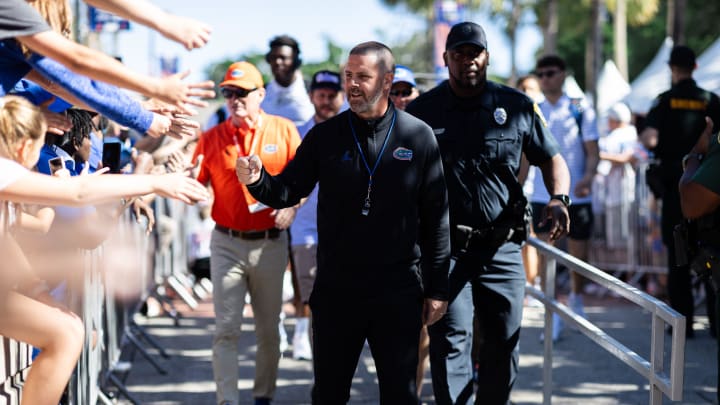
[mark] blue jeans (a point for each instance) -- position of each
(489, 285)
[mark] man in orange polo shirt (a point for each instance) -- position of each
(249, 245)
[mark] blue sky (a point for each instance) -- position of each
(246, 26)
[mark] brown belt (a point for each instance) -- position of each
(271, 233)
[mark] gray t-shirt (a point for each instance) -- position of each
(17, 18)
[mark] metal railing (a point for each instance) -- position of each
(669, 382)
(108, 322)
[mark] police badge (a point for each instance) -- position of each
(500, 115)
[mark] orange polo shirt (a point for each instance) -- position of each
(273, 138)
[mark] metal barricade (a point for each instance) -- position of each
(669, 382)
(108, 321)
(15, 357)
(638, 248)
(15, 360)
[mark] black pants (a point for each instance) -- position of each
(391, 324)
(489, 284)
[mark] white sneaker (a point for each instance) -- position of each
(301, 340)
(301, 347)
(283, 335)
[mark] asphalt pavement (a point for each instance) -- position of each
(583, 372)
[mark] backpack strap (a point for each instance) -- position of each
(577, 109)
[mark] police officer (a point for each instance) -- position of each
(482, 129)
(382, 205)
(673, 125)
(700, 201)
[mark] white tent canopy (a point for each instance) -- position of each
(611, 88)
(572, 88)
(707, 74)
(654, 80)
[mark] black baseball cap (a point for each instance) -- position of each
(325, 79)
(682, 56)
(466, 33)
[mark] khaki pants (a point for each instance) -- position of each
(238, 267)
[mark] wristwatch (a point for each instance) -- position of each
(698, 156)
(563, 198)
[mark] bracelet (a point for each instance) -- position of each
(686, 158)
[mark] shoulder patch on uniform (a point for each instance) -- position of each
(403, 154)
(539, 114)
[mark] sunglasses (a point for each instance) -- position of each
(401, 93)
(546, 73)
(468, 53)
(239, 93)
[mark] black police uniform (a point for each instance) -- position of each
(481, 141)
(708, 230)
(368, 283)
(679, 117)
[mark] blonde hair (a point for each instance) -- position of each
(57, 14)
(19, 120)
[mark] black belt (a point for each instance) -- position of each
(271, 233)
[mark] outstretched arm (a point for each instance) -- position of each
(36, 188)
(99, 66)
(185, 31)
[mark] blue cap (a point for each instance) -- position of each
(404, 74)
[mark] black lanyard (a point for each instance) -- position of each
(366, 205)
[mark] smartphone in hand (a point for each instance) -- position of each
(56, 163)
(111, 156)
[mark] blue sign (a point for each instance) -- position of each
(100, 21)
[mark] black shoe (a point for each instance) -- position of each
(262, 401)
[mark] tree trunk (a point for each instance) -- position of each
(512, 27)
(594, 53)
(550, 30)
(620, 31)
(676, 21)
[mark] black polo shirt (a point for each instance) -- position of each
(361, 255)
(679, 117)
(481, 141)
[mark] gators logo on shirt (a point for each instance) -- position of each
(270, 148)
(403, 154)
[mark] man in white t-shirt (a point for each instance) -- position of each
(572, 122)
(286, 94)
(327, 97)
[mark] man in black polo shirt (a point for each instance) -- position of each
(482, 129)
(382, 210)
(673, 126)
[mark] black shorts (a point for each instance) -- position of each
(581, 220)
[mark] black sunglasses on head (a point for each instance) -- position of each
(401, 93)
(238, 93)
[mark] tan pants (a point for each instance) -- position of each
(238, 267)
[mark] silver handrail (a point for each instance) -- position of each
(652, 369)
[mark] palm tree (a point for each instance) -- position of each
(633, 13)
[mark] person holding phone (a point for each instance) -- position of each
(27, 313)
